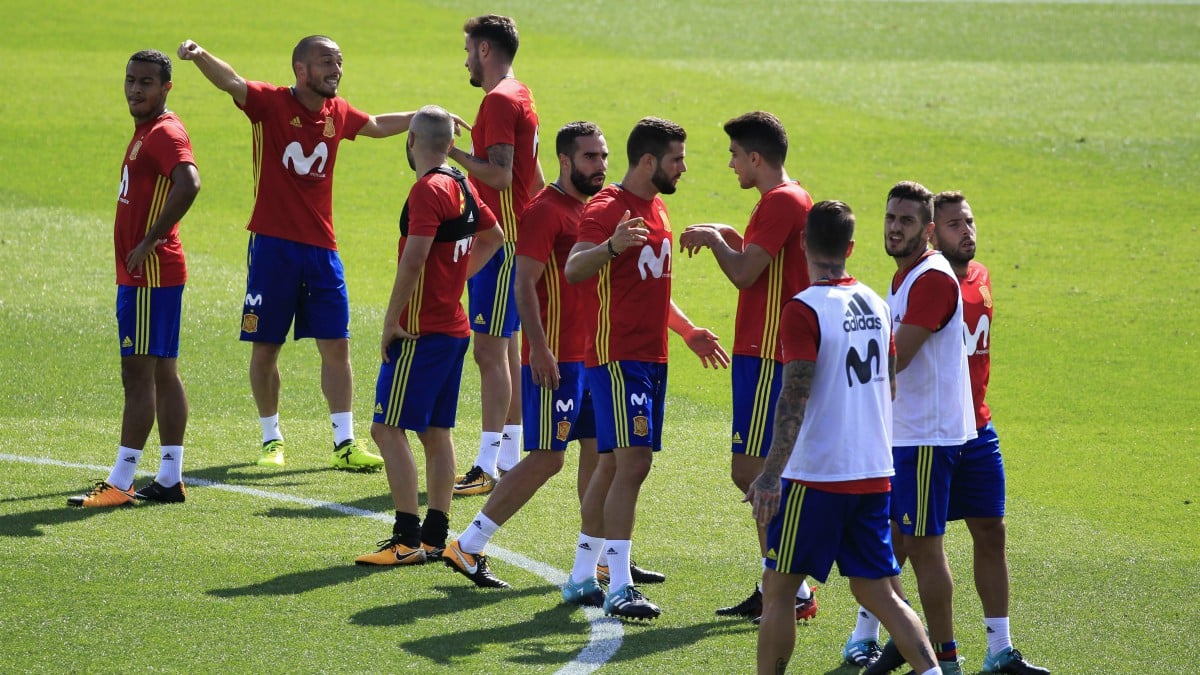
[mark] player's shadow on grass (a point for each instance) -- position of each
(378, 503)
(249, 474)
(300, 582)
(30, 523)
(540, 640)
(464, 598)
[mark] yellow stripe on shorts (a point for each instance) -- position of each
(400, 377)
(761, 409)
(791, 528)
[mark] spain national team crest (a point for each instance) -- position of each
(662, 213)
(137, 147)
(986, 294)
(641, 426)
(564, 431)
(249, 323)
(329, 129)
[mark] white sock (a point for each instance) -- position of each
(867, 626)
(270, 428)
(170, 467)
(618, 563)
(126, 465)
(343, 427)
(805, 591)
(587, 556)
(933, 671)
(477, 535)
(489, 452)
(998, 637)
(510, 447)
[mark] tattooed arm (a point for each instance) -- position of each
(789, 415)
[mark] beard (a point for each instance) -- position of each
(906, 249)
(958, 256)
(584, 183)
(321, 87)
(662, 182)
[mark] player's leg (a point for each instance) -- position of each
(903, 624)
(172, 416)
(777, 628)
(511, 442)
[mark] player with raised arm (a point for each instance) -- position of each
(159, 182)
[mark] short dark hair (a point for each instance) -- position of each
(947, 197)
(564, 143)
(302, 48)
(829, 229)
(760, 132)
(154, 56)
(652, 135)
(498, 31)
(913, 191)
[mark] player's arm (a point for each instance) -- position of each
(933, 299)
(539, 178)
(221, 74)
(909, 338)
(408, 270)
(495, 170)
(700, 340)
(542, 364)
(764, 492)
(702, 232)
(586, 258)
(487, 242)
(742, 267)
(185, 185)
(390, 124)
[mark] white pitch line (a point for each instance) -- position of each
(606, 634)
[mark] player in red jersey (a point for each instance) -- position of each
(446, 234)
(159, 181)
(503, 166)
(624, 257)
(768, 267)
(982, 500)
(294, 268)
(551, 356)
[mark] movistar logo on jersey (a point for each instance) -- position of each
(123, 191)
(860, 316)
(864, 369)
(462, 247)
(979, 341)
(657, 265)
(306, 164)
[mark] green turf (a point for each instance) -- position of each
(1072, 128)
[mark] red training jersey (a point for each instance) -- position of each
(549, 229)
(776, 225)
(508, 116)
(939, 297)
(294, 153)
(441, 205)
(157, 147)
(977, 326)
(627, 303)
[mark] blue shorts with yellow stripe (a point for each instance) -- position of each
(289, 282)
(490, 297)
(936, 484)
(814, 529)
(418, 389)
(756, 383)
(629, 399)
(549, 415)
(148, 320)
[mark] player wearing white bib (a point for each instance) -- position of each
(823, 492)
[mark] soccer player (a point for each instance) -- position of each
(294, 268)
(503, 166)
(767, 265)
(832, 449)
(446, 234)
(624, 254)
(932, 412)
(159, 181)
(551, 355)
(977, 493)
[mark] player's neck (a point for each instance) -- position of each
(139, 121)
(827, 269)
(771, 179)
(960, 269)
(640, 187)
(568, 188)
(492, 80)
(309, 98)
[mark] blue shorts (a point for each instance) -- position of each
(490, 297)
(419, 388)
(936, 484)
(585, 424)
(756, 383)
(148, 320)
(549, 415)
(286, 280)
(629, 399)
(814, 529)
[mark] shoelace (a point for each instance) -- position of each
(387, 543)
(473, 475)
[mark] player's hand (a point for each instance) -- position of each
(391, 333)
(629, 232)
(706, 345)
(189, 50)
(459, 124)
(763, 496)
(136, 257)
(696, 237)
(544, 368)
